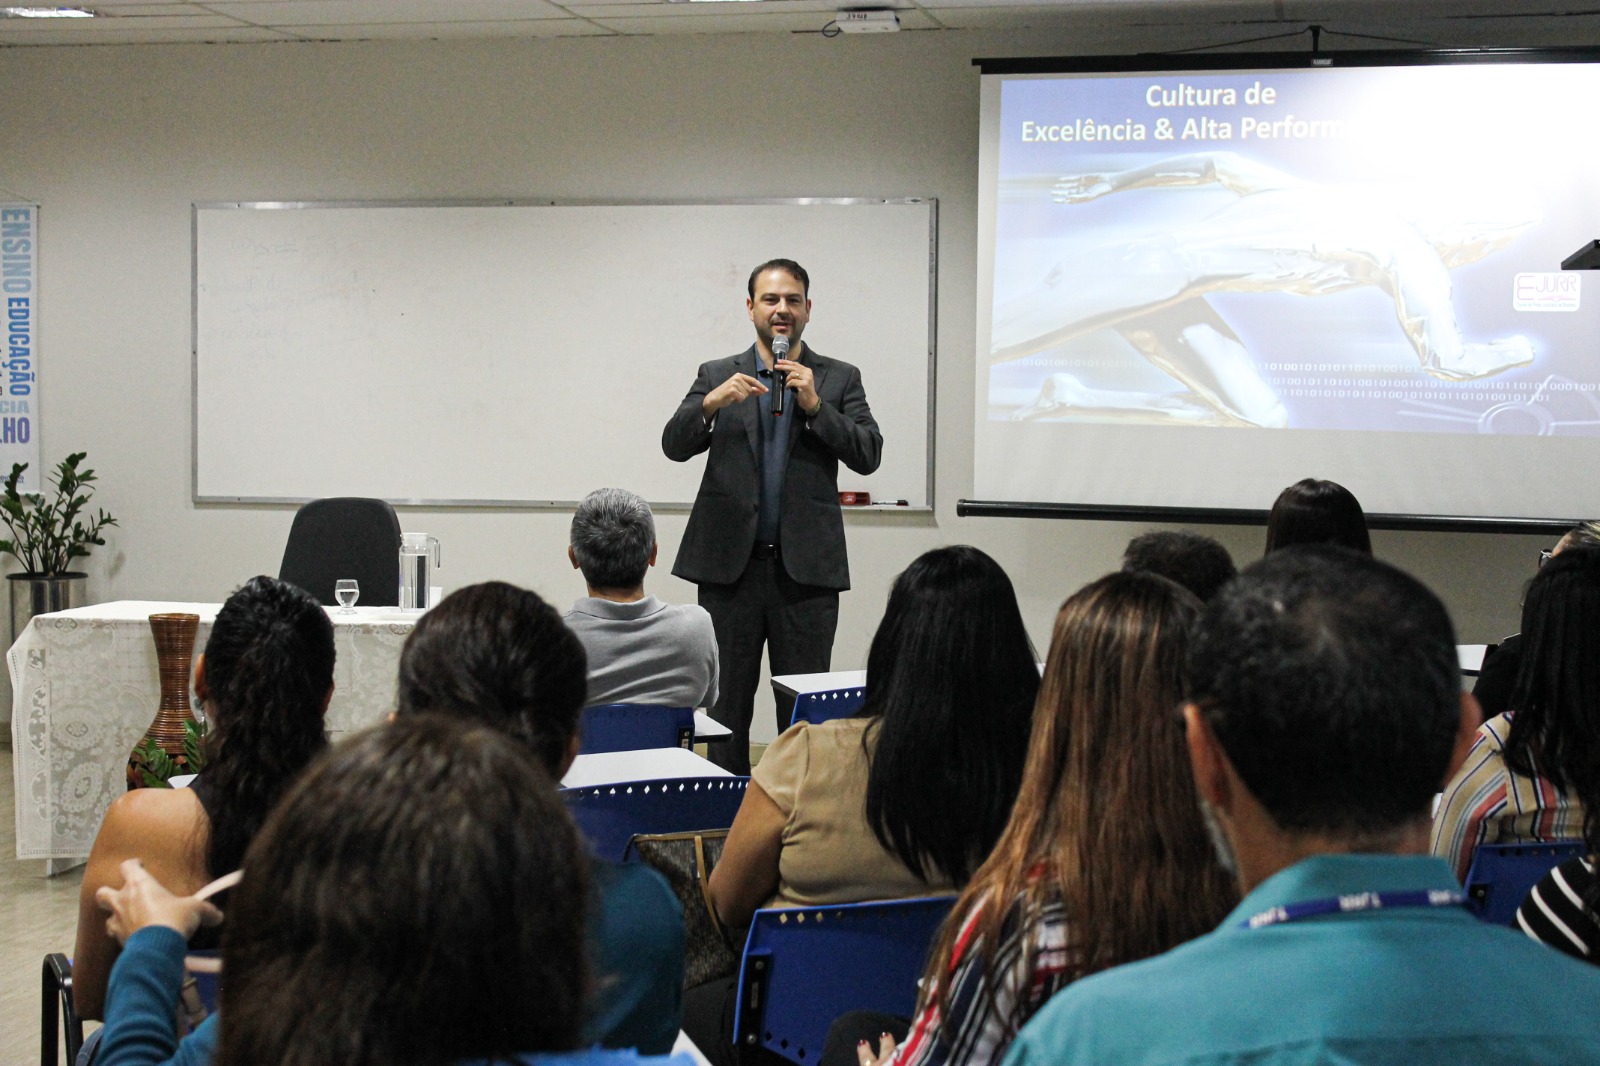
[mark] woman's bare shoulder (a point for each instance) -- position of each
(162, 827)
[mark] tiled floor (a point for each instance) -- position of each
(38, 915)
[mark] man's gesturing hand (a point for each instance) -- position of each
(803, 384)
(736, 389)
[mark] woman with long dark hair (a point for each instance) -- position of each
(1105, 858)
(265, 679)
(1498, 673)
(907, 797)
(1564, 908)
(1533, 774)
(419, 897)
(1317, 512)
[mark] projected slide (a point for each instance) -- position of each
(1373, 249)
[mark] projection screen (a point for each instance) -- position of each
(1197, 286)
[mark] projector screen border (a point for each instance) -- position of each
(1218, 516)
(1149, 62)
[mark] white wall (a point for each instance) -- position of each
(116, 142)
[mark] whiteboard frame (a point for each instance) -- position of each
(551, 505)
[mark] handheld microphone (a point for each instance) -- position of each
(780, 350)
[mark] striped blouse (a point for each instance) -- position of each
(1487, 803)
(980, 1027)
(1554, 912)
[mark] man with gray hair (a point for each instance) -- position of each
(640, 649)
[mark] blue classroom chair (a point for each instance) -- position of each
(816, 707)
(805, 966)
(1502, 875)
(635, 726)
(611, 815)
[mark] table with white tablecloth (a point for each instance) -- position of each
(85, 689)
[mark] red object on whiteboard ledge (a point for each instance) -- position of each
(854, 499)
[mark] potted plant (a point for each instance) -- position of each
(156, 769)
(48, 531)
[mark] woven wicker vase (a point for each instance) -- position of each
(174, 637)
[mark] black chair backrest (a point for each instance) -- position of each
(345, 536)
(57, 1007)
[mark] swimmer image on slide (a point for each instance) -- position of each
(1153, 293)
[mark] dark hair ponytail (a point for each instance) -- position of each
(268, 669)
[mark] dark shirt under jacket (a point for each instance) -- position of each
(721, 531)
(777, 437)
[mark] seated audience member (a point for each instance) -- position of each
(1529, 768)
(265, 679)
(419, 898)
(908, 797)
(1198, 563)
(1563, 910)
(1324, 710)
(1499, 671)
(640, 649)
(1105, 859)
(498, 655)
(1317, 512)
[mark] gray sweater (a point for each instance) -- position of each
(647, 651)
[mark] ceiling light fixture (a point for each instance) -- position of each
(867, 20)
(46, 13)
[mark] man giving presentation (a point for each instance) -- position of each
(765, 541)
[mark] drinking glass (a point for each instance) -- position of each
(346, 590)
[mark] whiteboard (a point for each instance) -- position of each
(516, 354)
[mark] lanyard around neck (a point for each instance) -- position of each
(1352, 903)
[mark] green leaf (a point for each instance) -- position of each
(155, 766)
(13, 478)
(194, 751)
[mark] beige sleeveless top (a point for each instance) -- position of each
(817, 775)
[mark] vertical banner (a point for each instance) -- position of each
(19, 377)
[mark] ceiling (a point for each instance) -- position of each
(1437, 23)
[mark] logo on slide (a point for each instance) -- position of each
(1545, 292)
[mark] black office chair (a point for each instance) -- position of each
(345, 536)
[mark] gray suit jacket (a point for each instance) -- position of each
(722, 528)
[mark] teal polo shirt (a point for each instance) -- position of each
(1399, 987)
